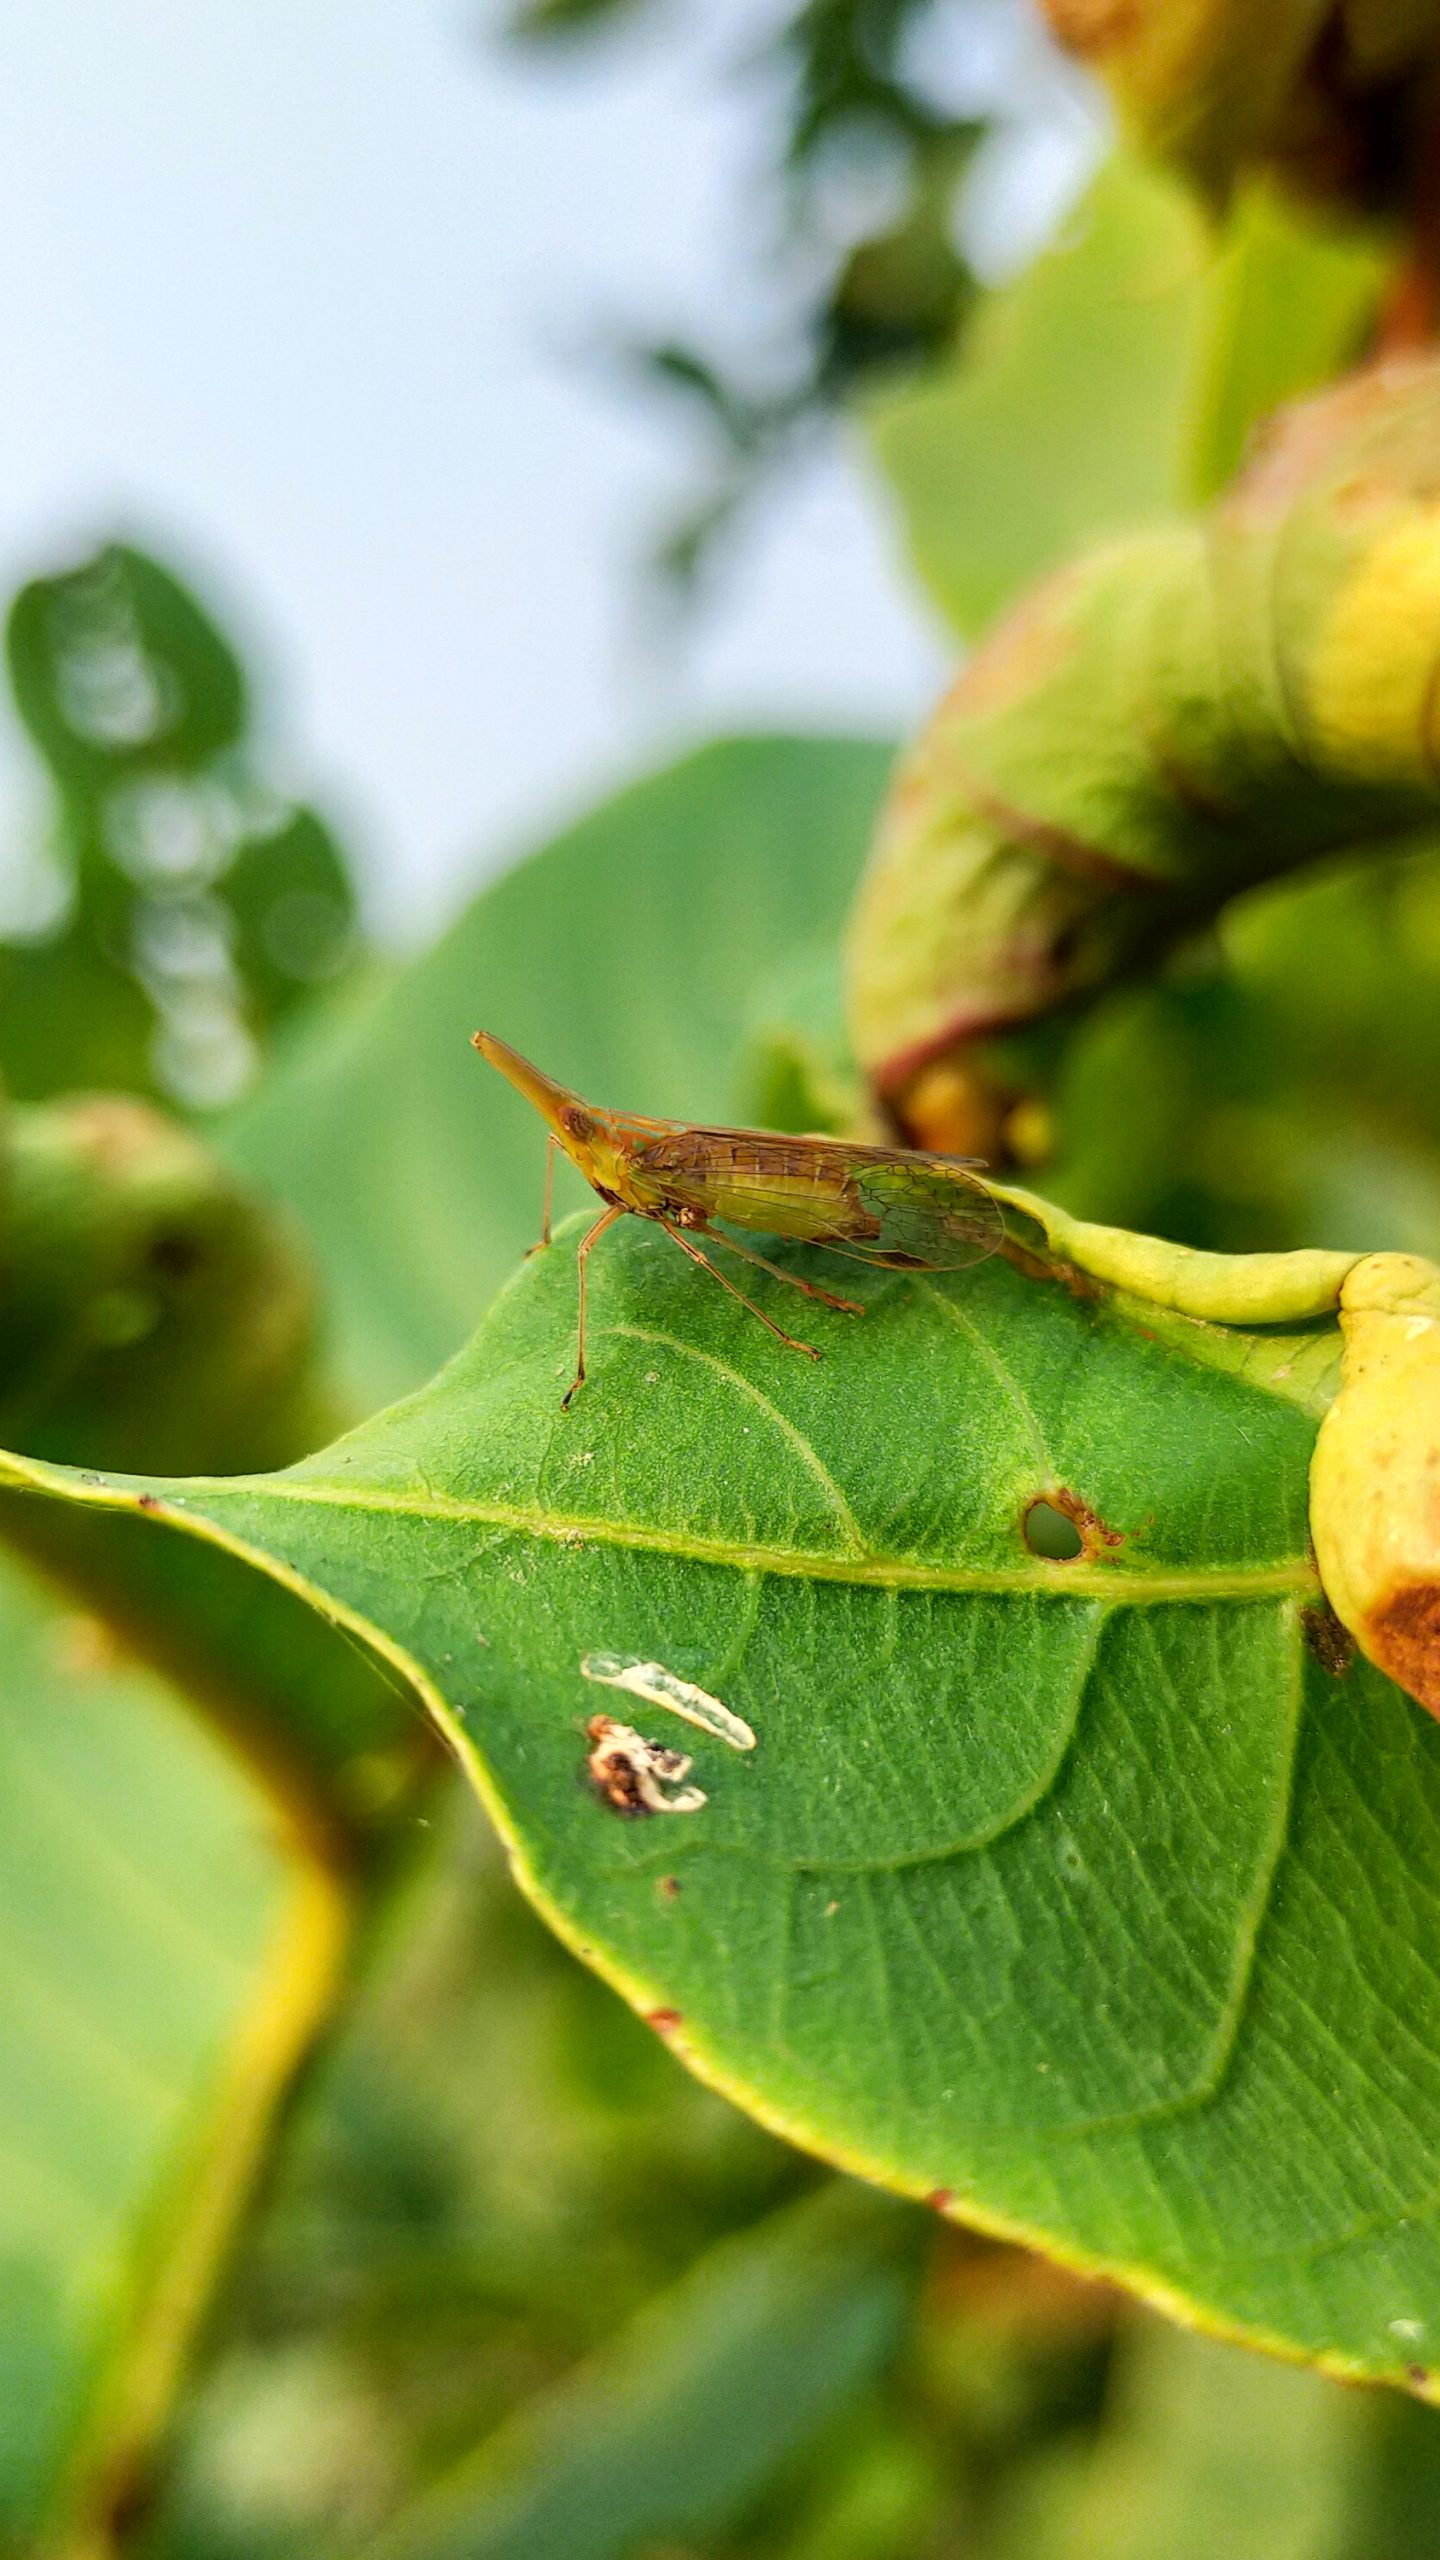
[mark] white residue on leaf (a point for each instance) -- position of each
(661, 1688)
(633, 1774)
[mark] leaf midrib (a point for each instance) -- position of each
(1113, 1581)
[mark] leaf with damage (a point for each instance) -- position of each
(1082, 1888)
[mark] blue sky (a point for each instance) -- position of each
(308, 297)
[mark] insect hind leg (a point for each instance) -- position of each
(792, 1279)
(693, 1250)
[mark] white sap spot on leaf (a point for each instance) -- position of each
(1409, 2330)
(661, 1688)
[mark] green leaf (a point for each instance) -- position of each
(1284, 1091)
(197, 909)
(492, 2166)
(290, 906)
(676, 2425)
(153, 1310)
(115, 668)
(1288, 302)
(172, 1926)
(653, 949)
(1206, 2451)
(165, 1957)
(1114, 382)
(1085, 1895)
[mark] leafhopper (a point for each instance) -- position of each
(881, 1205)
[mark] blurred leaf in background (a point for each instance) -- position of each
(1115, 381)
(1275, 1084)
(884, 105)
(182, 909)
(164, 1959)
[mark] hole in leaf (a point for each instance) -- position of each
(1050, 1532)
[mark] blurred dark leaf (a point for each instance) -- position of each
(176, 1903)
(869, 292)
(1206, 2450)
(196, 910)
(165, 1958)
(542, 19)
(1280, 1087)
(292, 912)
(676, 2425)
(493, 2168)
(116, 669)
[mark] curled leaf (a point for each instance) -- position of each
(1168, 721)
(1375, 1476)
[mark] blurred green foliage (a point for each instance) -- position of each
(1011, 455)
(181, 908)
(867, 123)
(508, 2255)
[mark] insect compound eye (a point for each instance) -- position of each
(576, 1123)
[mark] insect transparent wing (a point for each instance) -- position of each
(925, 1210)
(932, 1212)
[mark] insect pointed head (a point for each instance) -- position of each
(550, 1099)
(578, 1129)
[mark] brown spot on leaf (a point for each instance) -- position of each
(1332, 1645)
(148, 1501)
(1404, 1638)
(664, 2021)
(940, 2199)
(668, 1888)
(1046, 1511)
(1418, 2375)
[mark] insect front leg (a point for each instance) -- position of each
(792, 1279)
(581, 1258)
(706, 1264)
(551, 1143)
